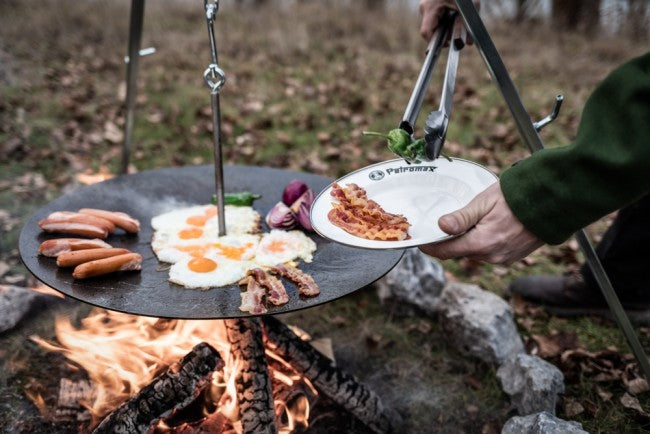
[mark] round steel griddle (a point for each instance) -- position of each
(338, 270)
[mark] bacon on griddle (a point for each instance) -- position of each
(306, 284)
(363, 217)
(252, 299)
(277, 294)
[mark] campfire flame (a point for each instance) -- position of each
(123, 353)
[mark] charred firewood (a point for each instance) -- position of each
(341, 387)
(176, 388)
(253, 383)
(212, 423)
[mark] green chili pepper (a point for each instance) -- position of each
(401, 143)
(243, 198)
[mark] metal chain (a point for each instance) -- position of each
(214, 76)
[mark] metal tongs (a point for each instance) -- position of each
(435, 129)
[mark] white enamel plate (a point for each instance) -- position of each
(421, 192)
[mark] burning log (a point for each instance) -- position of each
(253, 382)
(176, 388)
(339, 386)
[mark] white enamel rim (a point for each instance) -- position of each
(420, 193)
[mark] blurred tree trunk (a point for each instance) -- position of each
(521, 10)
(637, 19)
(576, 14)
(375, 4)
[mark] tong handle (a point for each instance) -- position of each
(438, 121)
(433, 52)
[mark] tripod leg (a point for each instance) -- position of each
(533, 140)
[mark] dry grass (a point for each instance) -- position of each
(303, 82)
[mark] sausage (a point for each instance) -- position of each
(55, 247)
(127, 261)
(122, 220)
(83, 229)
(76, 217)
(72, 259)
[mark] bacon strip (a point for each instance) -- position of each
(126, 262)
(306, 284)
(55, 247)
(120, 219)
(277, 293)
(363, 217)
(252, 299)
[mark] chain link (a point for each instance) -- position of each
(214, 76)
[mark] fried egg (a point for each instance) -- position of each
(208, 271)
(193, 222)
(278, 246)
(188, 239)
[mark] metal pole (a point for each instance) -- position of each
(135, 36)
(533, 140)
(215, 79)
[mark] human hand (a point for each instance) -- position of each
(432, 11)
(490, 232)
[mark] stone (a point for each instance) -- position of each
(532, 383)
(414, 285)
(541, 423)
(479, 323)
(15, 302)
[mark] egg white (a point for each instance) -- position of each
(295, 244)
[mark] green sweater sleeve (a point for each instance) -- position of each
(557, 191)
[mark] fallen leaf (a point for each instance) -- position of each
(424, 327)
(572, 407)
(112, 133)
(604, 395)
(473, 382)
(636, 385)
(3, 268)
(547, 347)
(632, 402)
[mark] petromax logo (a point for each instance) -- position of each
(412, 168)
(376, 175)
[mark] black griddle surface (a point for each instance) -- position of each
(339, 270)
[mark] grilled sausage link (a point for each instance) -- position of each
(122, 220)
(72, 259)
(128, 261)
(77, 217)
(55, 247)
(83, 229)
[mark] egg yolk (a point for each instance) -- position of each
(202, 265)
(189, 233)
(277, 246)
(199, 220)
(233, 252)
(194, 250)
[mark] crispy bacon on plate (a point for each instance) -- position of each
(363, 217)
(306, 284)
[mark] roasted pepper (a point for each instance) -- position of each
(243, 198)
(401, 143)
